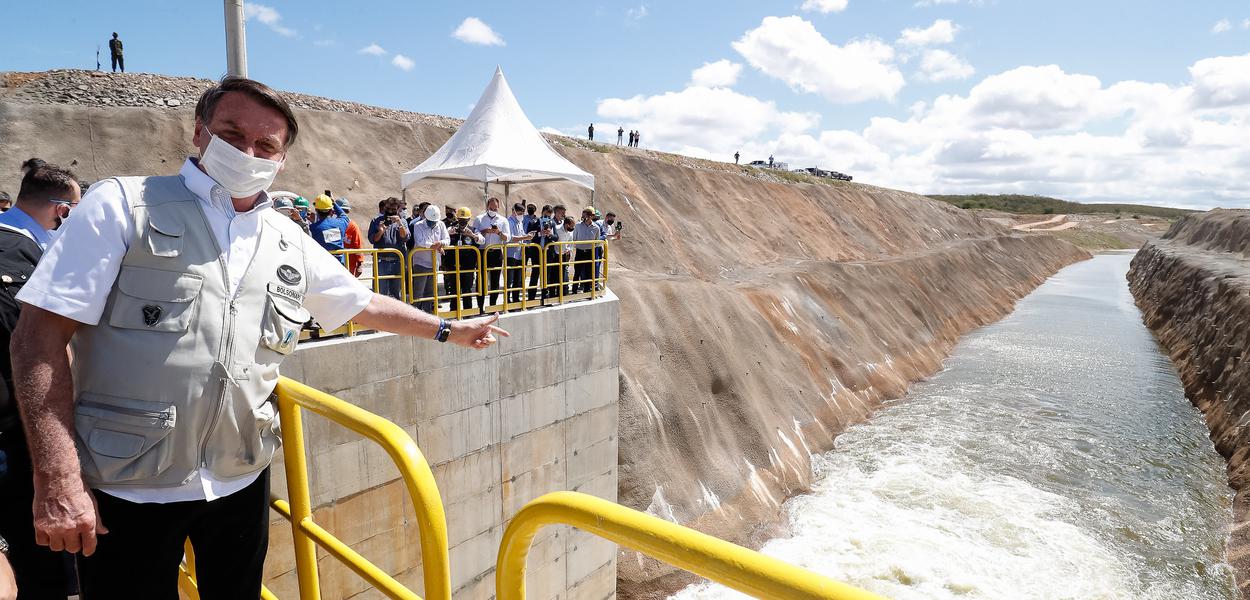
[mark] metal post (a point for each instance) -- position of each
(236, 39)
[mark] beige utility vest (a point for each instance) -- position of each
(177, 375)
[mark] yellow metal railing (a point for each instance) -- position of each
(504, 270)
(715, 559)
(418, 479)
(732, 565)
(572, 288)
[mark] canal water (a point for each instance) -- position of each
(1055, 456)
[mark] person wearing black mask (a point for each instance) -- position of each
(389, 230)
(464, 258)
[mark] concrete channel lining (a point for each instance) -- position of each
(535, 413)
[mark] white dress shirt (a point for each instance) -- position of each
(424, 236)
(484, 221)
(77, 272)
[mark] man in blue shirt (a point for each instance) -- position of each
(330, 230)
(38, 211)
(389, 230)
(516, 266)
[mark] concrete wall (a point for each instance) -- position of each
(535, 413)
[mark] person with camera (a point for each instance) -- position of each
(463, 241)
(539, 229)
(495, 229)
(389, 230)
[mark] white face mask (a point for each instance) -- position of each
(492, 214)
(236, 171)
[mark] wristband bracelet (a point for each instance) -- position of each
(444, 330)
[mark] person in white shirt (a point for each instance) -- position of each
(428, 233)
(127, 512)
(496, 231)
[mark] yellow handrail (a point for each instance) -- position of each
(730, 564)
(419, 480)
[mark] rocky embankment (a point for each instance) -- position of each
(760, 315)
(1193, 287)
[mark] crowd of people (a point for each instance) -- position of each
(453, 241)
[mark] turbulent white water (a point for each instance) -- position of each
(1055, 457)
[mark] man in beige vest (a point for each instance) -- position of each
(179, 297)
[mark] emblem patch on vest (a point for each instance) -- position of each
(152, 314)
(289, 275)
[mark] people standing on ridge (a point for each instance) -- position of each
(637, 136)
(590, 132)
(115, 52)
(177, 344)
(620, 135)
(330, 230)
(736, 157)
(389, 231)
(770, 161)
(48, 193)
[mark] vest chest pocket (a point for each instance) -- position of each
(125, 439)
(164, 235)
(154, 300)
(284, 319)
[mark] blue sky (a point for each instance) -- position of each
(826, 82)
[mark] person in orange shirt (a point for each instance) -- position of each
(353, 239)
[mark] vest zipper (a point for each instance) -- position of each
(225, 360)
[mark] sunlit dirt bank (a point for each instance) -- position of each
(1193, 287)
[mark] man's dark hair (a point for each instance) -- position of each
(4, 196)
(546, 207)
(531, 209)
(31, 164)
(382, 205)
(558, 207)
(518, 206)
(257, 91)
(611, 214)
(46, 182)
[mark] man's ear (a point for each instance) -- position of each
(198, 137)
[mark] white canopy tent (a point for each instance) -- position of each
(498, 144)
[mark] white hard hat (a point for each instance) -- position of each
(432, 213)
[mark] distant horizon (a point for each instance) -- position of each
(953, 96)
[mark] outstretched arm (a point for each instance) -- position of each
(388, 314)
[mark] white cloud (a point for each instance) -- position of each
(1221, 81)
(923, 3)
(790, 49)
(636, 14)
(942, 31)
(1221, 26)
(473, 31)
(721, 73)
(1245, 23)
(268, 16)
(1031, 129)
(373, 49)
(940, 65)
(824, 6)
(403, 62)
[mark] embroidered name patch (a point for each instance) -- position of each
(293, 295)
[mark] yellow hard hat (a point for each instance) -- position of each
(323, 202)
(464, 213)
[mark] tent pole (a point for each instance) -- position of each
(507, 187)
(592, 198)
(485, 191)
